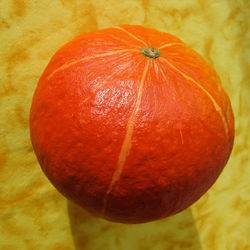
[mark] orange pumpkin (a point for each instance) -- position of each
(131, 124)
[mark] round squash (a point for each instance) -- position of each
(131, 124)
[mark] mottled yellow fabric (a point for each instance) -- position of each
(33, 215)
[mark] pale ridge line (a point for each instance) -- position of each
(130, 34)
(126, 145)
(129, 131)
(182, 142)
(67, 65)
(169, 44)
(217, 107)
(164, 76)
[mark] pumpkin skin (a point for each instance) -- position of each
(131, 124)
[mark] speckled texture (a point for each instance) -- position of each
(128, 145)
(33, 214)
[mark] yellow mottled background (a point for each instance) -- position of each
(33, 215)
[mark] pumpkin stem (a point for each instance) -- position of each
(150, 52)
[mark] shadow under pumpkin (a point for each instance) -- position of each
(93, 233)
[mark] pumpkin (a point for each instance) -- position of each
(131, 124)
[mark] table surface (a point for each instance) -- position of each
(33, 215)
